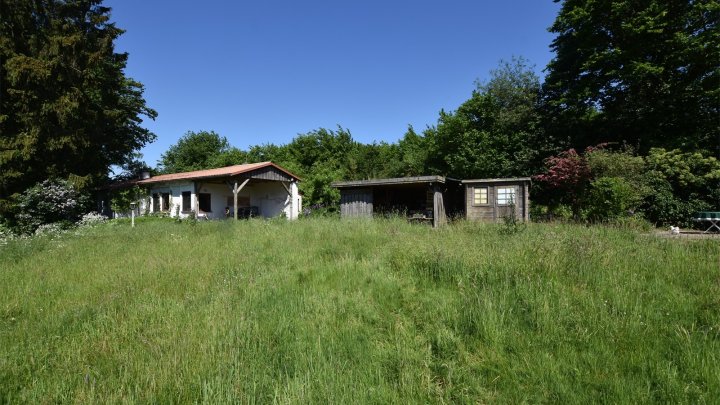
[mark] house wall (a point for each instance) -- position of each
(273, 199)
(492, 211)
(175, 190)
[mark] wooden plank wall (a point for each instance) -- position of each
(356, 203)
(266, 173)
(439, 217)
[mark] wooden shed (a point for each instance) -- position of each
(427, 199)
(491, 199)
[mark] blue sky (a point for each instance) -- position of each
(264, 71)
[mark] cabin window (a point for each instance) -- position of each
(480, 195)
(505, 195)
(204, 202)
(186, 196)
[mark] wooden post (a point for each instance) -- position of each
(235, 191)
(291, 198)
(196, 186)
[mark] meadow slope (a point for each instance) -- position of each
(324, 311)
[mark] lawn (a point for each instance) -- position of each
(326, 311)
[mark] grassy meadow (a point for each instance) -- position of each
(325, 311)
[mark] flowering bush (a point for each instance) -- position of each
(6, 235)
(91, 219)
(45, 203)
(53, 229)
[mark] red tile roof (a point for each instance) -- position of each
(219, 172)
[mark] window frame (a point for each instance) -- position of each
(511, 200)
(487, 196)
(165, 201)
(186, 204)
(201, 197)
(156, 202)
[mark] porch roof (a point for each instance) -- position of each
(228, 171)
(392, 181)
(498, 180)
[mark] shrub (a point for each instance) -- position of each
(122, 198)
(45, 203)
(611, 198)
(567, 173)
(665, 207)
(54, 229)
(6, 235)
(682, 184)
(91, 219)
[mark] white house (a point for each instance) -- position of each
(255, 189)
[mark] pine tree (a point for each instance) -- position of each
(67, 110)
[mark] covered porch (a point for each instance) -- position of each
(423, 199)
(241, 191)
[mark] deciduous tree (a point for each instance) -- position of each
(643, 72)
(195, 151)
(493, 134)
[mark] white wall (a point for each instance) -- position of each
(175, 190)
(270, 197)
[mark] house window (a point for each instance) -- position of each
(480, 195)
(204, 202)
(505, 195)
(165, 202)
(186, 196)
(156, 202)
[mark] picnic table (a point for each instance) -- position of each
(713, 217)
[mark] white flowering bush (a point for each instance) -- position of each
(6, 235)
(53, 229)
(49, 202)
(91, 219)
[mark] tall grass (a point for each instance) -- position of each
(358, 311)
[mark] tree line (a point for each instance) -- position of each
(626, 121)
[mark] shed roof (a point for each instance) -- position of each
(392, 181)
(497, 180)
(227, 171)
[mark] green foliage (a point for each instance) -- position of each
(511, 223)
(620, 184)
(688, 173)
(611, 198)
(197, 151)
(358, 312)
(666, 187)
(682, 184)
(232, 156)
(604, 162)
(66, 107)
(121, 199)
(644, 73)
(413, 150)
(316, 188)
(494, 133)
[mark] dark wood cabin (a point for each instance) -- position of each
(491, 199)
(428, 199)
